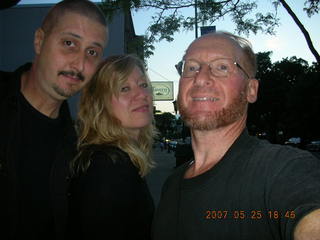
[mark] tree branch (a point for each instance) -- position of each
(303, 30)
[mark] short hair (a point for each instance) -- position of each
(244, 45)
(97, 123)
(247, 50)
(83, 7)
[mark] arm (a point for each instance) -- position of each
(295, 188)
(308, 228)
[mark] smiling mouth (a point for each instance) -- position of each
(200, 99)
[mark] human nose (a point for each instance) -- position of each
(142, 93)
(203, 76)
(78, 62)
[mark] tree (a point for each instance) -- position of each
(169, 19)
(303, 108)
(244, 13)
(311, 9)
(164, 123)
(288, 99)
(266, 113)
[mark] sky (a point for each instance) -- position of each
(288, 41)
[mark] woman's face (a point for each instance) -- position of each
(133, 106)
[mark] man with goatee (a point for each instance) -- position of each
(37, 135)
(236, 187)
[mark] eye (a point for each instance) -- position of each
(68, 43)
(144, 85)
(92, 52)
(191, 66)
(222, 66)
(125, 89)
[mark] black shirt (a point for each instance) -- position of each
(257, 190)
(11, 124)
(110, 200)
(40, 137)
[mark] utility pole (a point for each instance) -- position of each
(196, 17)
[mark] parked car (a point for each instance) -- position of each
(172, 145)
(313, 146)
(294, 141)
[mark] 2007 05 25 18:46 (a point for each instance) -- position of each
(253, 214)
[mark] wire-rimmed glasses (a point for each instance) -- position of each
(221, 67)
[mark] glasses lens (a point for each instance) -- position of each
(221, 67)
(190, 68)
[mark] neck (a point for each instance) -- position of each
(209, 147)
(36, 96)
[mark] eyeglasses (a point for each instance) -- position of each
(221, 67)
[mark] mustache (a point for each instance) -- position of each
(72, 74)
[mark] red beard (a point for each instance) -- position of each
(217, 119)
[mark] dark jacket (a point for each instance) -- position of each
(110, 200)
(10, 122)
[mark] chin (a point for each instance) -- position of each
(141, 124)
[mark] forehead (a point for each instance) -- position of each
(213, 46)
(136, 74)
(81, 25)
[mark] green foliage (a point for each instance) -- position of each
(303, 107)
(312, 7)
(165, 123)
(288, 99)
(165, 27)
(169, 19)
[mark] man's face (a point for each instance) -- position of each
(67, 56)
(209, 102)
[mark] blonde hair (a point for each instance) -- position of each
(97, 123)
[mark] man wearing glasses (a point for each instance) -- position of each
(236, 187)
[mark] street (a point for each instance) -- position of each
(165, 163)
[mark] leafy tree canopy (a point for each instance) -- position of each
(288, 99)
(169, 19)
(164, 122)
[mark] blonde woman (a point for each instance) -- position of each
(109, 195)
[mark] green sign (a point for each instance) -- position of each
(162, 91)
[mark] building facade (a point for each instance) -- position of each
(19, 23)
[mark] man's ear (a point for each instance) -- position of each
(252, 90)
(38, 40)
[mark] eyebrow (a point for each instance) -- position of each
(79, 37)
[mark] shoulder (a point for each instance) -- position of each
(266, 150)
(107, 157)
(275, 162)
(10, 81)
(5, 76)
(113, 153)
(6, 82)
(110, 170)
